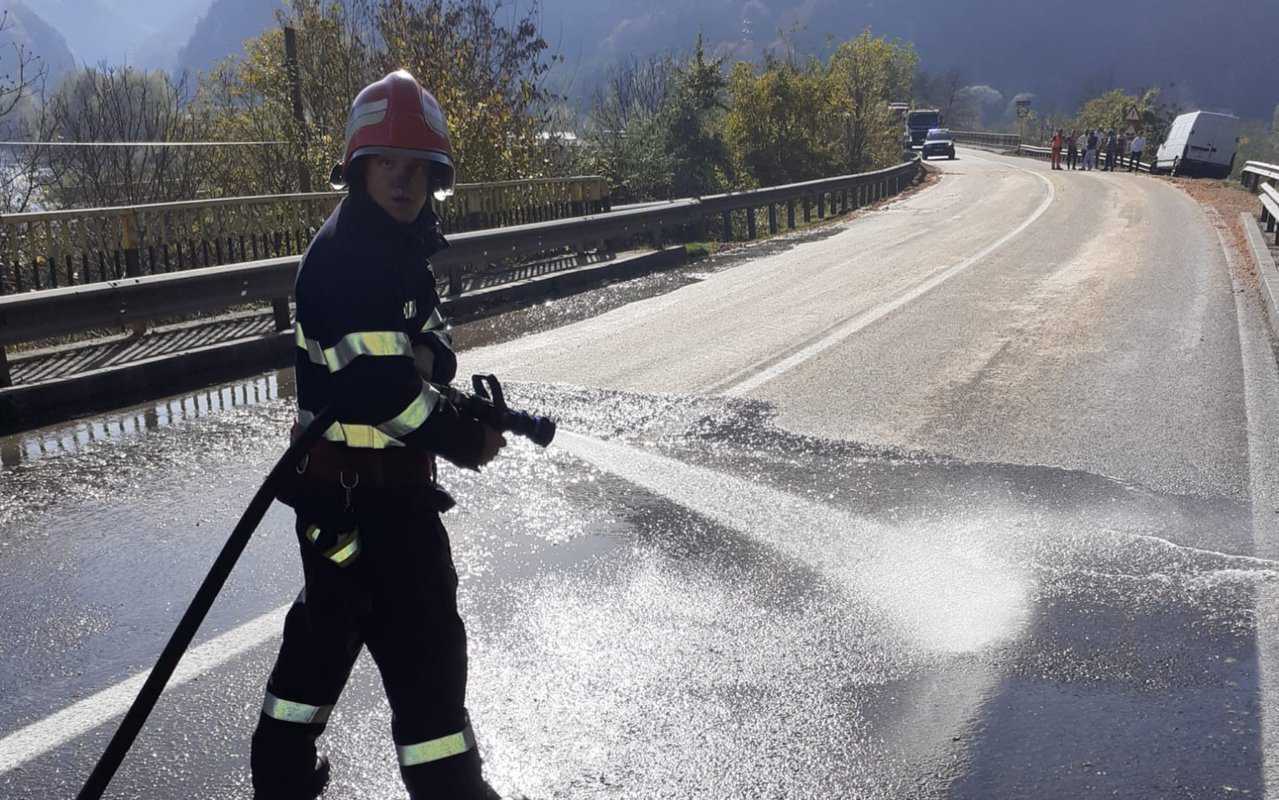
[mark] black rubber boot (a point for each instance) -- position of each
(307, 789)
(319, 778)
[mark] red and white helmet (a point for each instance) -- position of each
(396, 116)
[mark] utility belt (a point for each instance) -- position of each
(332, 480)
(349, 467)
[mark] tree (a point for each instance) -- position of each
(694, 127)
(782, 125)
(487, 76)
(1111, 110)
(123, 104)
(633, 89)
(868, 72)
(626, 128)
(23, 117)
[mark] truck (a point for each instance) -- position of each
(918, 123)
(1201, 144)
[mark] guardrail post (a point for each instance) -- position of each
(726, 233)
(808, 209)
(455, 279)
(280, 311)
(772, 219)
(129, 244)
(750, 223)
(790, 213)
(5, 378)
(821, 205)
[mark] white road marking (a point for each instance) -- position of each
(57, 729)
(757, 379)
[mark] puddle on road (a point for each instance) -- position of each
(77, 437)
(119, 454)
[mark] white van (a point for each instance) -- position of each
(1200, 143)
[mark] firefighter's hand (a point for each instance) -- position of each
(493, 442)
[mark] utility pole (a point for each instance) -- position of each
(295, 86)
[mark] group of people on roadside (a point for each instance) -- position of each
(1082, 152)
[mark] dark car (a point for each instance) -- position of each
(939, 143)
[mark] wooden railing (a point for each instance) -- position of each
(52, 249)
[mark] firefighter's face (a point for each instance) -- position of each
(398, 184)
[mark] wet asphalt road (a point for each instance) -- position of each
(973, 496)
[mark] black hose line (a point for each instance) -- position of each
(137, 714)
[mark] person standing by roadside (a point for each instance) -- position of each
(1137, 147)
(1090, 151)
(1111, 145)
(1121, 149)
(1057, 143)
(1072, 151)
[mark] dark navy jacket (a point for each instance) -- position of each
(365, 296)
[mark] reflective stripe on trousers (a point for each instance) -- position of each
(455, 744)
(344, 549)
(293, 711)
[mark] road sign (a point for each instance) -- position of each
(1023, 108)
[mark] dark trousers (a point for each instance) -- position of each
(1110, 160)
(1134, 160)
(1072, 158)
(398, 597)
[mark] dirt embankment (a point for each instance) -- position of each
(1228, 199)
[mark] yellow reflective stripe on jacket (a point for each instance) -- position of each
(414, 415)
(354, 345)
(291, 711)
(435, 749)
(434, 322)
(352, 435)
(312, 347)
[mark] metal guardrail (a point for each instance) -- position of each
(1269, 198)
(134, 301)
(1256, 172)
(1121, 161)
(46, 250)
(1007, 141)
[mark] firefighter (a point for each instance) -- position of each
(376, 562)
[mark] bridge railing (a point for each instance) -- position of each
(136, 301)
(51, 249)
(1002, 141)
(1121, 160)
